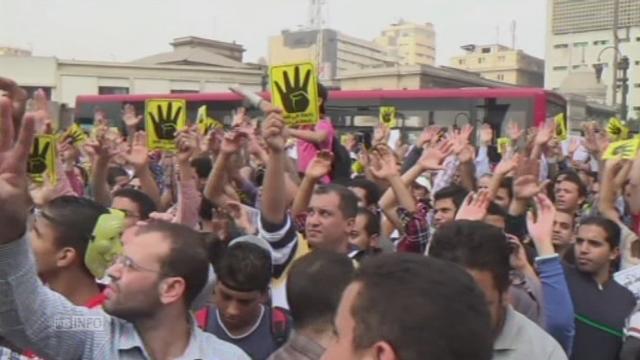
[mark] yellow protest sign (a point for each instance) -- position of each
(388, 116)
(504, 143)
(294, 88)
(206, 123)
(42, 159)
(76, 135)
(562, 128)
(617, 129)
(163, 118)
(627, 149)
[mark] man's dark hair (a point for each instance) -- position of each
(401, 293)
(312, 305)
(454, 192)
(245, 267)
(474, 245)
(187, 256)
(114, 172)
(496, 210)
(348, 200)
(507, 183)
(74, 219)
(371, 190)
(573, 177)
(372, 225)
(609, 227)
(323, 94)
(145, 204)
(202, 165)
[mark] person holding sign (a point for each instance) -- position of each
(315, 132)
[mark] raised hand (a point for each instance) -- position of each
(138, 155)
(545, 133)
(165, 125)
(428, 136)
(295, 96)
(540, 224)
(186, 144)
(233, 141)
(14, 198)
(461, 139)
(320, 165)
(474, 207)
(273, 131)
(240, 214)
(507, 164)
(486, 134)
(383, 163)
(433, 157)
(467, 154)
(129, 116)
(527, 186)
(514, 131)
(381, 134)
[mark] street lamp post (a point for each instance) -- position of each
(619, 65)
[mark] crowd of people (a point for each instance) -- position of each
(251, 242)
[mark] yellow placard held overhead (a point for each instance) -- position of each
(76, 135)
(294, 89)
(42, 159)
(503, 143)
(206, 123)
(163, 118)
(617, 129)
(562, 128)
(627, 149)
(388, 116)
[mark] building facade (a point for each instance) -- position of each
(338, 53)
(195, 65)
(580, 34)
(501, 63)
(413, 44)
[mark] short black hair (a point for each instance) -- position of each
(440, 300)
(74, 219)
(496, 210)
(312, 305)
(456, 193)
(474, 245)
(348, 200)
(202, 165)
(608, 226)
(372, 226)
(507, 183)
(187, 256)
(114, 172)
(573, 177)
(145, 204)
(371, 190)
(245, 267)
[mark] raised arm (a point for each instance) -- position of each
(273, 205)
(215, 189)
(613, 178)
(318, 167)
(138, 157)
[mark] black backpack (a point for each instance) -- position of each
(341, 168)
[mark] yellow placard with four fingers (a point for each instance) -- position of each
(163, 119)
(388, 116)
(562, 128)
(294, 89)
(76, 135)
(503, 144)
(42, 159)
(617, 129)
(626, 149)
(206, 123)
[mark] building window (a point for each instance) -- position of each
(113, 90)
(480, 60)
(636, 85)
(560, 46)
(486, 50)
(179, 91)
(559, 68)
(500, 77)
(580, 44)
(638, 39)
(638, 62)
(601, 42)
(461, 62)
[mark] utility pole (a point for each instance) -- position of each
(616, 44)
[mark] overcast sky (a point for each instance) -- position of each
(124, 30)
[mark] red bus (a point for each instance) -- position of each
(358, 110)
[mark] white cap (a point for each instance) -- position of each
(252, 239)
(424, 182)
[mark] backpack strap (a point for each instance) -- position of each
(280, 325)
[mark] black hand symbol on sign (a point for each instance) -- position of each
(295, 97)
(166, 124)
(387, 114)
(621, 150)
(37, 163)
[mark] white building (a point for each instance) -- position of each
(577, 33)
(195, 65)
